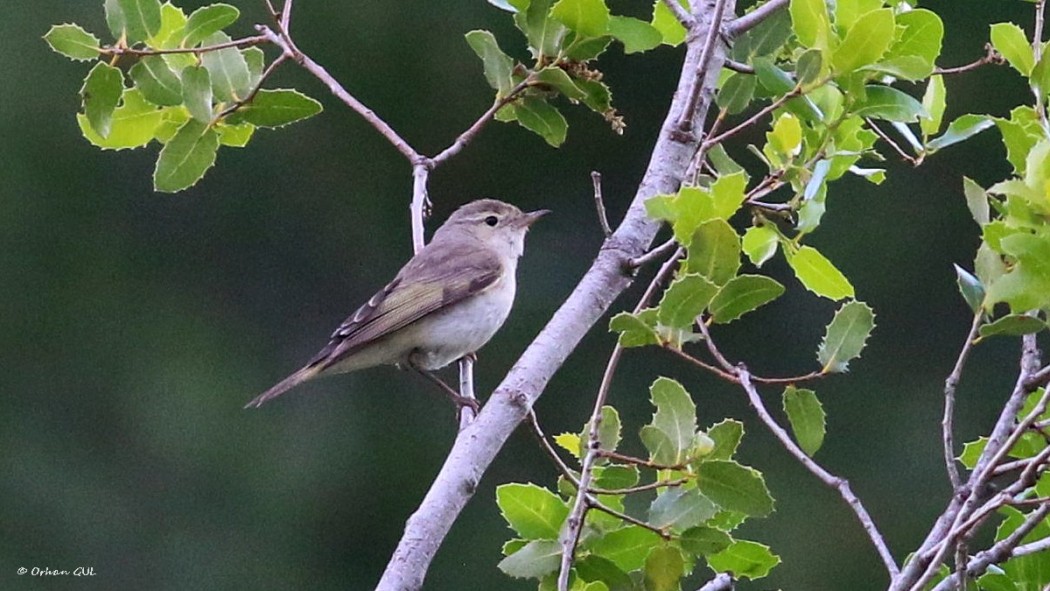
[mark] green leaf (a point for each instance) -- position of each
(598, 98)
(972, 451)
(276, 108)
(615, 476)
(810, 21)
(988, 265)
(734, 487)
(636, 35)
(556, 77)
(934, 102)
(704, 541)
(634, 332)
(206, 21)
(685, 299)
(917, 47)
(608, 431)
(679, 509)
(131, 126)
(865, 43)
(73, 42)
(101, 93)
(186, 157)
(570, 442)
(586, 49)
(545, 34)
(535, 513)
(736, 92)
(970, 287)
(760, 244)
(235, 136)
(1013, 325)
(1010, 41)
(498, 65)
(534, 560)
(714, 251)
(889, 104)
(669, 436)
(726, 435)
(1027, 285)
(589, 18)
(744, 559)
(597, 569)
(141, 18)
(627, 548)
(172, 22)
(665, 22)
(845, 337)
(962, 129)
(765, 39)
(806, 415)
(810, 68)
(663, 569)
(159, 85)
(539, 117)
(256, 60)
(743, 294)
(115, 18)
(196, 93)
(230, 77)
(818, 275)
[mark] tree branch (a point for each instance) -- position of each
(755, 17)
(950, 384)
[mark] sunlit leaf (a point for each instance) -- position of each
(845, 337)
(819, 275)
(534, 512)
(73, 42)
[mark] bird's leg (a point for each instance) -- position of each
(459, 401)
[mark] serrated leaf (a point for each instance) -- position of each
(889, 104)
(497, 64)
(73, 42)
(535, 513)
(1013, 325)
(744, 559)
(1010, 41)
(714, 251)
(865, 43)
(663, 568)
(172, 21)
(685, 299)
(806, 415)
(703, 540)
(141, 18)
(726, 435)
(186, 157)
(598, 97)
(917, 47)
(679, 509)
(636, 35)
(276, 108)
(101, 93)
(159, 85)
(570, 442)
(743, 294)
(960, 130)
(235, 136)
(818, 275)
(597, 569)
(970, 287)
(810, 21)
(256, 60)
(589, 18)
(206, 21)
(196, 93)
(734, 487)
(760, 244)
(664, 21)
(608, 430)
(539, 117)
(556, 77)
(627, 548)
(230, 77)
(934, 101)
(675, 418)
(545, 34)
(736, 92)
(534, 560)
(845, 336)
(634, 331)
(586, 49)
(976, 201)
(132, 124)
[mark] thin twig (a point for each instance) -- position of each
(950, 385)
(703, 365)
(685, 120)
(655, 254)
(896, 148)
(466, 390)
(467, 136)
(684, 18)
(286, 16)
(640, 488)
(599, 203)
(628, 459)
(711, 141)
(739, 67)
(534, 424)
(991, 56)
(753, 18)
(593, 503)
(245, 42)
(255, 89)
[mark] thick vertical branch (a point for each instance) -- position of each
(476, 446)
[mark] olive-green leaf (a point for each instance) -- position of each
(714, 251)
(276, 108)
(534, 560)
(890, 104)
(497, 64)
(141, 18)
(535, 513)
(206, 21)
(726, 435)
(634, 331)
(230, 77)
(685, 299)
(589, 18)
(703, 540)
(744, 559)
(556, 78)
(845, 337)
(1013, 325)
(663, 568)
(636, 35)
(196, 93)
(743, 294)
(73, 42)
(679, 509)
(734, 487)
(101, 93)
(158, 83)
(819, 275)
(186, 157)
(539, 117)
(806, 415)
(627, 548)
(736, 92)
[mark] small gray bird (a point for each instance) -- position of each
(446, 302)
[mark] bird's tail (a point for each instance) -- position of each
(306, 373)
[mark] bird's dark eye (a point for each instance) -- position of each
(492, 220)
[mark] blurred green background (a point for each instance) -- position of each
(134, 325)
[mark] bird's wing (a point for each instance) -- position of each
(427, 283)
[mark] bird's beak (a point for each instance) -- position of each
(531, 217)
